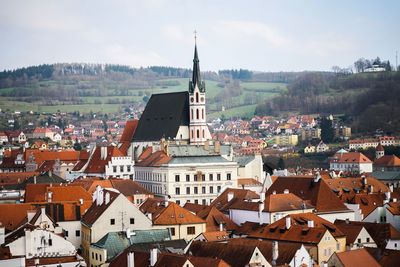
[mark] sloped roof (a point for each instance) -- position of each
(222, 203)
(127, 135)
(12, 215)
(299, 230)
(351, 232)
(380, 232)
(215, 236)
(163, 115)
(385, 257)
(176, 260)
(357, 257)
(234, 255)
(174, 214)
(368, 202)
(15, 177)
(351, 157)
(97, 163)
(394, 208)
(129, 187)
(214, 217)
(193, 207)
(387, 161)
(141, 259)
(43, 155)
(95, 211)
(155, 159)
(318, 193)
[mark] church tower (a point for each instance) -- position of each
(198, 129)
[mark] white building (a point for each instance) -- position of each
(354, 162)
(187, 173)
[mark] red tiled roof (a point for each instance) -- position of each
(351, 157)
(97, 164)
(156, 159)
(318, 193)
(358, 257)
(387, 161)
(174, 214)
(222, 203)
(12, 215)
(394, 208)
(15, 177)
(127, 135)
(42, 155)
(299, 230)
(95, 211)
(214, 218)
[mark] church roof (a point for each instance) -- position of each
(163, 115)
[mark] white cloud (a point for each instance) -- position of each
(239, 29)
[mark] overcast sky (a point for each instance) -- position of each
(258, 35)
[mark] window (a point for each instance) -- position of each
(177, 178)
(337, 246)
(198, 133)
(132, 220)
(172, 230)
(187, 190)
(203, 190)
(197, 113)
(202, 114)
(228, 176)
(196, 201)
(211, 190)
(367, 239)
(114, 168)
(218, 177)
(210, 176)
(92, 255)
(100, 257)
(196, 190)
(112, 221)
(50, 242)
(66, 233)
(178, 202)
(218, 189)
(128, 168)
(177, 191)
(121, 168)
(197, 97)
(359, 240)
(203, 177)
(190, 230)
(204, 202)
(187, 177)
(96, 257)
(77, 233)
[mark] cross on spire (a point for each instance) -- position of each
(195, 36)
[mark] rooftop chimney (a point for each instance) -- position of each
(217, 147)
(286, 191)
(370, 189)
(153, 256)
(221, 227)
(275, 252)
(49, 196)
(2, 234)
(128, 233)
(230, 196)
(107, 198)
(317, 177)
(387, 195)
(310, 223)
(260, 211)
(131, 259)
(288, 222)
(274, 192)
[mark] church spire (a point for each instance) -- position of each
(196, 78)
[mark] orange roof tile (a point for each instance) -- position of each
(12, 215)
(387, 161)
(156, 159)
(358, 257)
(351, 157)
(173, 214)
(97, 164)
(214, 218)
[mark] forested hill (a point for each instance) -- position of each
(370, 100)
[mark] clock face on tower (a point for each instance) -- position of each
(202, 99)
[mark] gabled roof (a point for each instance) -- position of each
(234, 255)
(387, 161)
(299, 230)
(39, 193)
(222, 203)
(176, 260)
(98, 160)
(127, 135)
(13, 215)
(318, 193)
(43, 155)
(380, 232)
(193, 207)
(215, 236)
(394, 208)
(129, 187)
(155, 159)
(95, 211)
(351, 157)
(351, 232)
(358, 257)
(214, 218)
(174, 214)
(163, 115)
(368, 202)
(385, 257)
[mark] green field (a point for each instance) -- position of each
(111, 101)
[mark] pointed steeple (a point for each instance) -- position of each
(196, 68)
(196, 78)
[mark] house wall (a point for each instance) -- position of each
(181, 230)
(301, 258)
(393, 244)
(253, 169)
(241, 216)
(15, 262)
(358, 216)
(366, 240)
(329, 245)
(258, 259)
(113, 168)
(97, 256)
(331, 217)
(334, 261)
(72, 227)
(377, 215)
(394, 220)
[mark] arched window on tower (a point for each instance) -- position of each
(202, 114)
(197, 97)
(198, 133)
(192, 113)
(192, 135)
(197, 113)
(204, 136)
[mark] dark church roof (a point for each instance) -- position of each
(163, 115)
